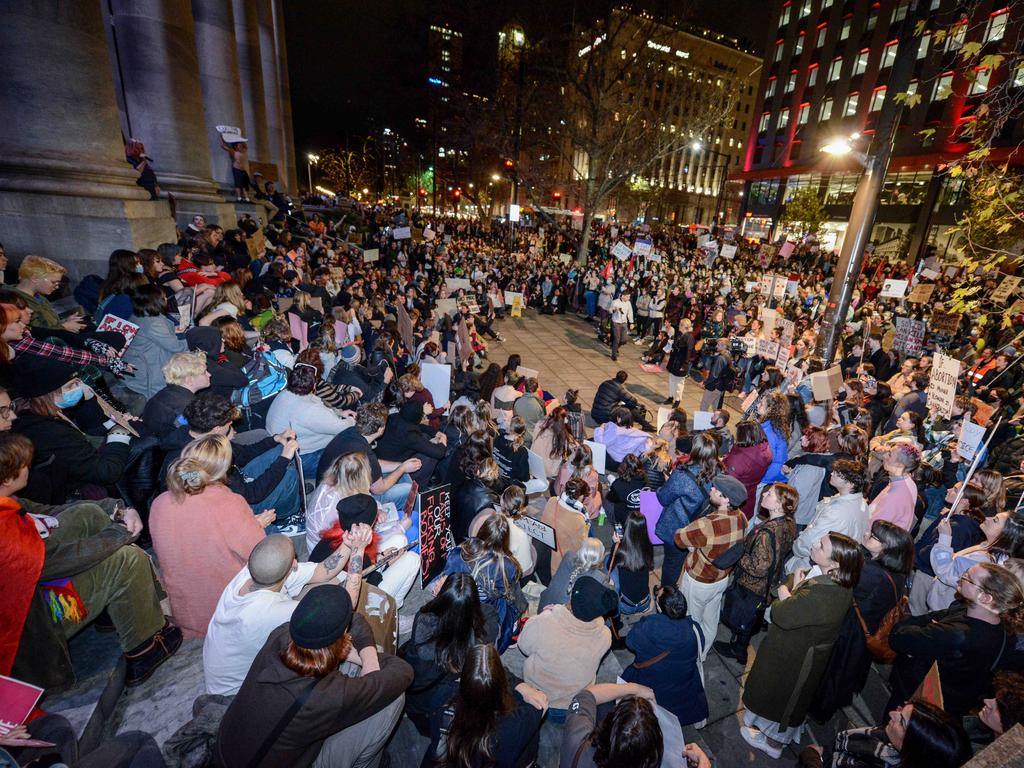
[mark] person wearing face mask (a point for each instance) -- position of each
(47, 398)
(124, 272)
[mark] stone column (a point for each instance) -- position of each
(250, 70)
(271, 89)
(66, 191)
(219, 79)
(286, 98)
(163, 100)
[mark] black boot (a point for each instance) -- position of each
(144, 659)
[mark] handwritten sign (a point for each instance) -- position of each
(621, 251)
(728, 251)
(119, 325)
(1006, 289)
(437, 380)
(909, 336)
(299, 330)
(537, 530)
(894, 289)
(971, 435)
(642, 247)
(944, 323)
(436, 538)
(787, 249)
(922, 293)
(401, 233)
(767, 349)
(371, 255)
(942, 385)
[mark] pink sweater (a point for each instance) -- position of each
(201, 543)
(895, 503)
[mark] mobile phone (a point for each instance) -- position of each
(618, 529)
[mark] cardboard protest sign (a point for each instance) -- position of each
(642, 247)
(119, 325)
(983, 414)
(825, 384)
(728, 251)
(944, 323)
(401, 233)
(1006, 289)
(909, 336)
(436, 539)
(970, 438)
(942, 385)
(538, 531)
(894, 289)
(621, 251)
(922, 293)
(405, 327)
(787, 249)
(371, 255)
(116, 416)
(447, 306)
(437, 380)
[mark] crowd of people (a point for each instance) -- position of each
(220, 438)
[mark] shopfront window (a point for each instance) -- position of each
(841, 187)
(906, 188)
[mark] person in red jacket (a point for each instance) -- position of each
(202, 270)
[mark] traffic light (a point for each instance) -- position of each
(423, 192)
(509, 164)
(556, 195)
(456, 193)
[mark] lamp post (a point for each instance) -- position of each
(698, 146)
(311, 160)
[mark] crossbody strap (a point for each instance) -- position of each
(286, 718)
(695, 482)
(651, 661)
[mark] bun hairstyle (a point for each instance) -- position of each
(202, 463)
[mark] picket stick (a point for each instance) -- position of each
(982, 449)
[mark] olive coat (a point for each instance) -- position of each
(792, 658)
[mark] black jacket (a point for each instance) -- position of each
(62, 442)
(241, 454)
(470, 499)
(162, 410)
(679, 357)
(609, 395)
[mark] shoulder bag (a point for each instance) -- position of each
(878, 641)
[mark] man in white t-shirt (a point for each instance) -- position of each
(622, 318)
(261, 598)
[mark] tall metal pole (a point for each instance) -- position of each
(309, 174)
(865, 201)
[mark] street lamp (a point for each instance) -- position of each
(312, 160)
(495, 177)
(697, 146)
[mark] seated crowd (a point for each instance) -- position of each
(240, 466)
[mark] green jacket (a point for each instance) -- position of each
(43, 313)
(792, 658)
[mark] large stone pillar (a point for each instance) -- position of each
(219, 79)
(271, 89)
(250, 70)
(66, 191)
(286, 98)
(163, 100)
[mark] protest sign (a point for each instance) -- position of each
(621, 251)
(527, 373)
(565, 258)
(929, 274)
(971, 435)
(749, 400)
(401, 233)
(767, 281)
(186, 310)
(447, 306)
(944, 323)
(437, 380)
(116, 416)
(922, 293)
(641, 247)
(779, 287)
(17, 700)
(651, 509)
(371, 255)
(299, 330)
(405, 328)
(341, 334)
(751, 285)
(787, 249)
(983, 414)
(701, 420)
(767, 349)
(909, 336)
(769, 317)
(942, 385)
(1006, 289)
(894, 289)
(436, 539)
(458, 284)
(599, 454)
(537, 530)
(119, 325)
(728, 251)
(663, 416)
(825, 384)
(429, 234)
(654, 257)
(465, 341)
(1016, 308)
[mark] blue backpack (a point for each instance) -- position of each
(266, 377)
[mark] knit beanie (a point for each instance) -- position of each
(321, 617)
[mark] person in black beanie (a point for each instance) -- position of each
(408, 437)
(298, 704)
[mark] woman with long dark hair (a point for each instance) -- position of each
(630, 564)
(493, 721)
(553, 441)
(888, 555)
(442, 633)
(806, 619)
(748, 460)
(489, 380)
(774, 413)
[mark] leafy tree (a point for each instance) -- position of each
(805, 213)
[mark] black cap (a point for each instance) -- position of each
(591, 599)
(321, 617)
(358, 508)
(34, 376)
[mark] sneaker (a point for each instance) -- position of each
(730, 651)
(291, 527)
(144, 659)
(759, 741)
(638, 342)
(667, 401)
(501, 338)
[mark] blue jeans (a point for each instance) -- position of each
(626, 607)
(284, 499)
(310, 460)
(744, 366)
(397, 494)
(590, 297)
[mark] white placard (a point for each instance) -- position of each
(663, 416)
(513, 213)
(728, 251)
(527, 373)
(971, 435)
(370, 255)
(458, 284)
(514, 297)
(542, 532)
(909, 336)
(401, 233)
(447, 306)
(641, 247)
(929, 274)
(942, 385)
(768, 319)
(701, 420)
(779, 286)
(437, 380)
(703, 240)
(894, 289)
(621, 251)
(599, 453)
(429, 234)
(1006, 289)
(654, 258)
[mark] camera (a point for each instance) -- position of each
(737, 348)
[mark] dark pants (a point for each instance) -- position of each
(672, 568)
(132, 749)
(619, 333)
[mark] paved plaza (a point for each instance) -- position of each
(567, 354)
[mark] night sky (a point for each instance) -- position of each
(358, 66)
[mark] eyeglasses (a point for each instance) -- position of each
(965, 577)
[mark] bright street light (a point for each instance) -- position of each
(838, 146)
(495, 177)
(696, 146)
(312, 159)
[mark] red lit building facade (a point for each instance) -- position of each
(827, 64)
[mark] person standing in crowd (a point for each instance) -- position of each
(622, 318)
(898, 500)
(845, 513)
(748, 460)
(806, 619)
(719, 376)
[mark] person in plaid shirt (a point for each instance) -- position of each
(707, 538)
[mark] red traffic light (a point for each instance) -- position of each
(423, 192)
(457, 194)
(557, 195)
(510, 164)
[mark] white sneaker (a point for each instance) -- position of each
(638, 342)
(759, 741)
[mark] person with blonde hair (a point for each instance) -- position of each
(349, 475)
(38, 277)
(185, 373)
(202, 532)
(228, 301)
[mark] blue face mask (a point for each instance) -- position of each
(139, 269)
(70, 399)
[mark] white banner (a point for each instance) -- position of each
(942, 385)
(621, 251)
